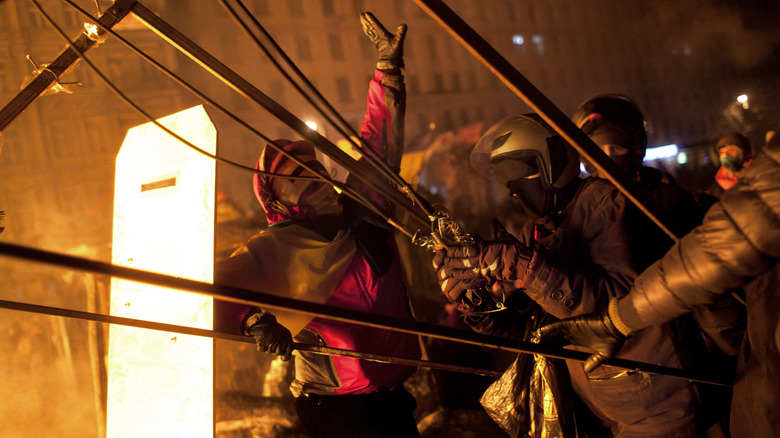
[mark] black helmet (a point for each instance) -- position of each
(614, 112)
(532, 161)
(522, 137)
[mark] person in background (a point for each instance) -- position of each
(734, 153)
(584, 253)
(738, 244)
(322, 247)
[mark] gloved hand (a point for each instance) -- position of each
(270, 336)
(390, 47)
(597, 331)
(484, 262)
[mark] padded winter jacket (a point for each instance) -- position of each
(737, 244)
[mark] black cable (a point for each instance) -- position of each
(342, 187)
(182, 83)
(366, 151)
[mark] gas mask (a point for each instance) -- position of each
(731, 157)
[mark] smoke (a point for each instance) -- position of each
(722, 32)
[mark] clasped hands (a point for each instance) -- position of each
(492, 263)
(505, 261)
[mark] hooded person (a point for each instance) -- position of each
(734, 154)
(584, 253)
(320, 248)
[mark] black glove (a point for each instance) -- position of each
(270, 336)
(390, 47)
(596, 331)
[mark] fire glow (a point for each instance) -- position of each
(161, 384)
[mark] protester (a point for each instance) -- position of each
(737, 244)
(616, 124)
(734, 153)
(322, 247)
(583, 255)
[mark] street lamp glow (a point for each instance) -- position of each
(743, 99)
(661, 152)
(312, 125)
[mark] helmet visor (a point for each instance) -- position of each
(511, 167)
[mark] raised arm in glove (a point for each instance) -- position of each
(390, 47)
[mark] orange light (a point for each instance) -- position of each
(161, 384)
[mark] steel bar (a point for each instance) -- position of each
(359, 169)
(64, 62)
(273, 302)
(214, 334)
(540, 104)
(297, 76)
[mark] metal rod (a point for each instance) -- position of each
(64, 62)
(359, 169)
(214, 334)
(273, 302)
(340, 124)
(540, 104)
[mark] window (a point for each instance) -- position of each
(531, 14)
(345, 93)
(399, 8)
(446, 119)
(431, 44)
(4, 67)
(413, 84)
(36, 18)
(471, 81)
(455, 81)
(438, 83)
(261, 8)
(328, 9)
(360, 6)
(464, 116)
(367, 50)
(336, 48)
(295, 7)
(479, 113)
(303, 47)
(538, 44)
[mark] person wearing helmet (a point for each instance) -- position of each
(319, 247)
(736, 245)
(616, 124)
(584, 253)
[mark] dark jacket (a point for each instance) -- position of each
(592, 256)
(738, 241)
